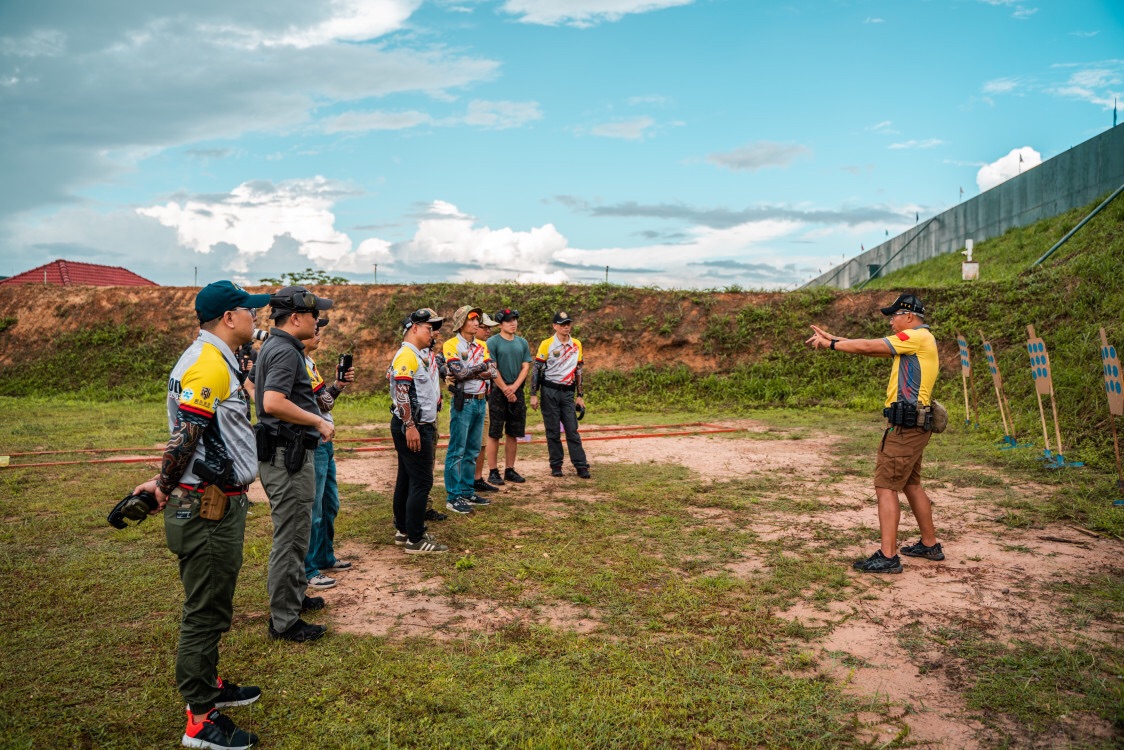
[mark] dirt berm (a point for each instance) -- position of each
(88, 340)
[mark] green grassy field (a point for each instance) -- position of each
(686, 655)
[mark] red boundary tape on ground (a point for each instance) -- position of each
(710, 429)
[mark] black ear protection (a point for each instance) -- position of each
(417, 316)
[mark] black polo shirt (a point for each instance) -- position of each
(280, 367)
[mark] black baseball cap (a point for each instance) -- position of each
(562, 317)
(906, 302)
(219, 296)
(506, 314)
(293, 299)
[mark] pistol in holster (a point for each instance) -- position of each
(213, 503)
(904, 414)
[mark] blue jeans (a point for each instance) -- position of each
(324, 510)
(466, 428)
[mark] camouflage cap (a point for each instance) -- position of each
(461, 315)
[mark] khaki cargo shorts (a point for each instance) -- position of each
(899, 457)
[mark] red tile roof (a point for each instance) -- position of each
(68, 272)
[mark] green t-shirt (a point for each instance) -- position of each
(509, 356)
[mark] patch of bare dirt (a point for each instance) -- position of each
(386, 593)
(996, 579)
(718, 456)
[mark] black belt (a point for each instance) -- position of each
(476, 396)
(557, 386)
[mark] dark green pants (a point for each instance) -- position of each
(210, 556)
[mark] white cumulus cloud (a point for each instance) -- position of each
(255, 215)
(1006, 167)
(446, 234)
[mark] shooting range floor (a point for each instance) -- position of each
(1005, 582)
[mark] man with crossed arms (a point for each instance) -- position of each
(558, 371)
(469, 365)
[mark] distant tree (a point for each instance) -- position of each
(309, 276)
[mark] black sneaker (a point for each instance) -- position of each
(555, 471)
(477, 500)
(583, 473)
(920, 550)
(217, 732)
(312, 604)
(481, 486)
(513, 476)
(236, 695)
(432, 515)
(879, 563)
(495, 478)
(458, 505)
(299, 632)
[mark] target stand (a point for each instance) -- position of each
(1044, 386)
(1010, 439)
(966, 380)
(1110, 366)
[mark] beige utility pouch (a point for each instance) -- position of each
(213, 503)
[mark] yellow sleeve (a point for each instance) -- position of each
(905, 342)
(487, 354)
(579, 350)
(206, 383)
(405, 364)
(544, 350)
(449, 349)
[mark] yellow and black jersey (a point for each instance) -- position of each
(204, 385)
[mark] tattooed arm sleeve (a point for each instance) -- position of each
(181, 447)
(402, 401)
(325, 400)
(460, 371)
(537, 372)
(579, 380)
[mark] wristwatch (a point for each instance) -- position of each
(833, 342)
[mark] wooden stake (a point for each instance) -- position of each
(1116, 446)
(1057, 430)
(1002, 414)
(1042, 413)
(964, 380)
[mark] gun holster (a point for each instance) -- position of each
(266, 442)
(458, 396)
(902, 414)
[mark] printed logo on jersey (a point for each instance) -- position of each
(903, 336)
(187, 395)
(205, 394)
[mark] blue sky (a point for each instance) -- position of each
(683, 143)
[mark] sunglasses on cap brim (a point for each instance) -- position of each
(505, 315)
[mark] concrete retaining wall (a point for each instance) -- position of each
(1073, 178)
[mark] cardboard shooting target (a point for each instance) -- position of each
(965, 357)
(1110, 362)
(992, 365)
(1039, 364)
